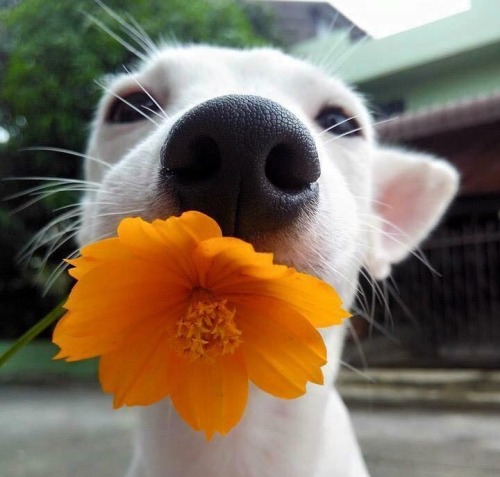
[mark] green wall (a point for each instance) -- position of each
(445, 61)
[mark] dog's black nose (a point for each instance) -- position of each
(243, 160)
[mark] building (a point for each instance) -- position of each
(298, 21)
(441, 84)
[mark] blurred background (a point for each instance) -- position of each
(428, 338)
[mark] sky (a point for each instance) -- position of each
(4, 135)
(380, 18)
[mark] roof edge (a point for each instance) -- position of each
(443, 118)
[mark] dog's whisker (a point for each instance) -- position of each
(43, 188)
(141, 33)
(152, 111)
(361, 373)
(56, 273)
(396, 296)
(359, 345)
(63, 266)
(379, 295)
(336, 125)
(124, 213)
(78, 206)
(75, 222)
(128, 103)
(44, 237)
(333, 22)
(40, 196)
(377, 291)
(327, 59)
(355, 130)
(68, 152)
(362, 299)
(51, 242)
(142, 56)
(325, 264)
(163, 114)
(373, 201)
(349, 53)
(340, 136)
(52, 179)
(136, 34)
(26, 252)
(377, 326)
(62, 237)
(417, 252)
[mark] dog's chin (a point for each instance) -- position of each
(288, 248)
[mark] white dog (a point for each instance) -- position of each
(282, 156)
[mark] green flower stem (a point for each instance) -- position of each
(33, 332)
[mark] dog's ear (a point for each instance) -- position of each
(411, 192)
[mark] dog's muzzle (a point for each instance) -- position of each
(243, 160)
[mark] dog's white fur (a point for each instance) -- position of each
(375, 206)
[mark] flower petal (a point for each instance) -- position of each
(112, 301)
(169, 241)
(127, 287)
(309, 296)
(146, 242)
(228, 261)
(138, 373)
(74, 348)
(210, 396)
(78, 341)
(198, 225)
(94, 254)
(283, 351)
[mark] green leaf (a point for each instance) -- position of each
(33, 332)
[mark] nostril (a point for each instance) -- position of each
(202, 161)
(285, 169)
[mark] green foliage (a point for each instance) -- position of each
(51, 53)
(57, 52)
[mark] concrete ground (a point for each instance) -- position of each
(70, 431)
(429, 443)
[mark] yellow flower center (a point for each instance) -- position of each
(207, 330)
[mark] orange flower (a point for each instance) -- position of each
(175, 309)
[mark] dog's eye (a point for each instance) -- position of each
(133, 107)
(335, 121)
